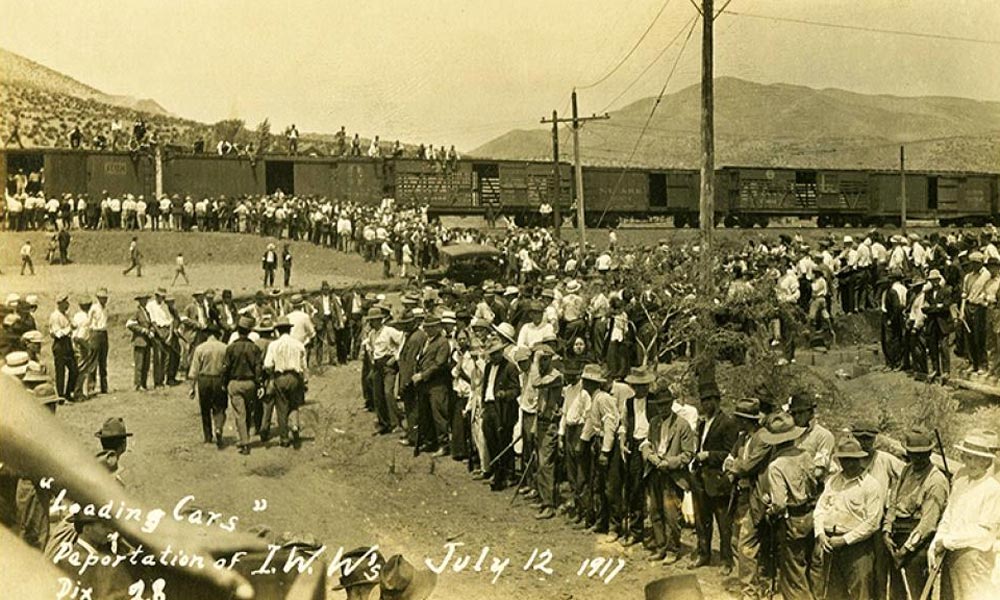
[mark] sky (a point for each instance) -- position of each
(465, 71)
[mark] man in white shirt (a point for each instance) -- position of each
(99, 334)
(61, 331)
(537, 329)
(285, 360)
(162, 322)
(26, 257)
(302, 325)
(966, 539)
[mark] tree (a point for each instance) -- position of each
(263, 136)
(228, 129)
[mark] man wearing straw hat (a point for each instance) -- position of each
(964, 548)
(938, 309)
(286, 361)
(598, 436)
(382, 345)
(632, 435)
(666, 453)
(548, 381)
(846, 518)
(912, 512)
(501, 386)
(790, 501)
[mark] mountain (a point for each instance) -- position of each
(15, 68)
(782, 125)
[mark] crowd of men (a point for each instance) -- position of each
(542, 380)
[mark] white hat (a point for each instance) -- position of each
(448, 316)
(573, 286)
(848, 239)
(980, 442)
(12, 299)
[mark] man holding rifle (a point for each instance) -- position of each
(912, 512)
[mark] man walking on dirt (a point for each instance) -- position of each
(135, 258)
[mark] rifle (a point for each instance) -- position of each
(944, 459)
(470, 447)
(509, 447)
(929, 586)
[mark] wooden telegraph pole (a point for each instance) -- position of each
(902, 189)
(557, 184)
(707, 200)
(576, 121)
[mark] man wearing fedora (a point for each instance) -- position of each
(598, 436)
(666, 453)
(141, 328)
(548, 382)
(938, 308)
(846, 519)
(205, 375)
(330, 323)
(382, 346)
(576, 405)
(912, 511)
(406, 365)
(241, 372)
(285, 361)
(61, 331)
(360, 571)
(269, 263)
(400, 580)
(790, 499)
(711, 489)
(817, 440)
(501, 385)
(161, 323)
(433, 381)
(964, 547)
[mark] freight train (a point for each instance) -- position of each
(744, 196)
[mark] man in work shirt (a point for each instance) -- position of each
(241, 373)
(548, 382)
(205, 375)
(286, 361)
(142, 341)
(382, 345)
(912, 512)
(599, 432)
(847, 516)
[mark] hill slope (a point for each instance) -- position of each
(15, 68)
(781, 124)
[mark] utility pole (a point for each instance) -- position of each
(577, 121)
(902, 190)
(706, 202)
(557, 184)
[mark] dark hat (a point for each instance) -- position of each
(399, 580)
(245, 322)
(161, 291)
(374, 313)
(801, 402)
(46, 394)
(864, 429)
(282, 324)
(142, 296)
(265, 324)
(432, 321)
(594, 372)
(918, 440)
(748, 408)
(849, 447)
(497, 345)
(781, 428)
(640, 376)
(325, 285)
(360, 566)
(708, 389)
(113, 428)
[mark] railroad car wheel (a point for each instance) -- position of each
(822, 221)
(731, 221)
(762, 222)
(837, 220)
(694, 221)
(680, 220)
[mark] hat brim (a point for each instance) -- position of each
(639, 379)
(773, 439)
(744, 415)
(858, 454)
(974, 451)
(423, 583)
(918, 449)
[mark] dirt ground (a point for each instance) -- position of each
(349, 488)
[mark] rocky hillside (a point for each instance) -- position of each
(785, 125)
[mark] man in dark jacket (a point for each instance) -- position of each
(407, 364)
(501, 386)
(939, 325)
(433, 381)
(711, 489)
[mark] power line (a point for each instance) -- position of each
(936, 36)
(723, 9)
(649, 119)
(630, 52)
(655, 60)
